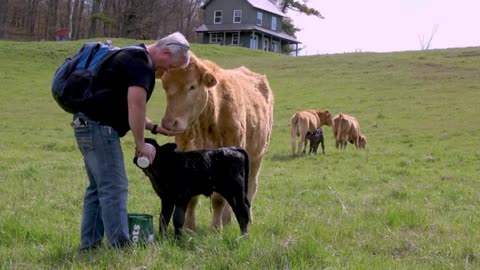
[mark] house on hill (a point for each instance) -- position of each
(254, 24)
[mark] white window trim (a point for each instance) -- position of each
(237, 16)
(215, 16)
(261, 18)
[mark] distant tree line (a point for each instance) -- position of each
(138, 19)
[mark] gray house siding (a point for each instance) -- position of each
(247, 32)
(227, 10)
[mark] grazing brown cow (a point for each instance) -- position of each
(346, 128)
(305, 121)
(216, 107)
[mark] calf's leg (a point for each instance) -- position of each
(165, 215)
(323, 145)
(241, 209)
(179, 218)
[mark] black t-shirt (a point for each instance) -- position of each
(127, 68)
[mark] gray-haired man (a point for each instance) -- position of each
(129, 77)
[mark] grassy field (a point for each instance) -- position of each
(411, 200)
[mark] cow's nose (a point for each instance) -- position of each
(170, 124)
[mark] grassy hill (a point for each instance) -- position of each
(410, 201)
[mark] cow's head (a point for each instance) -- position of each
(187, 93)
(326, 117)
(362, 141)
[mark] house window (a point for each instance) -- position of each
(216, 38)
(237, 16)
(235, 39)
(274, 23)
(217, 17)
(259, 18)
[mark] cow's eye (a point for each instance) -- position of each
(192, 88)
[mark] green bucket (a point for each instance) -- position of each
(140, 228)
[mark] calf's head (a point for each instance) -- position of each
(187, 91)
(163, 154)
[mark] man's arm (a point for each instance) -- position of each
(137, 107)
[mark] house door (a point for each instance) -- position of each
(266, 43)
(275, 46)
(253, 42)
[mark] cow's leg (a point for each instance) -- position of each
(165, 215)
(305, 141)
(323, 145)
(190, 222)
(299, 147)
(293, 138)
(218, 206)
(253, 182)
(344, 141)
(357, 143)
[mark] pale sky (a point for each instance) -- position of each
(387, 25)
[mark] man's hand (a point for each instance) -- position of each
(146, 150)
(167, 132)
(149, 125)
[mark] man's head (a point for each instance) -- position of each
(170, 52)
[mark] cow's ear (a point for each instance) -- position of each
(208, 79)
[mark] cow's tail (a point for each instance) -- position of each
(293, 132)
(339, 127)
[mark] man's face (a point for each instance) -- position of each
(167, 62)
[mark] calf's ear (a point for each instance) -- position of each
(169, 147)
(208, 79)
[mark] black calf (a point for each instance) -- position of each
(178, 176)
(315, 139)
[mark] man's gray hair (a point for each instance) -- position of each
(178, 45)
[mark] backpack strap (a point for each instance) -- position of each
(90, 57)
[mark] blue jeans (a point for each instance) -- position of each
(105, 202)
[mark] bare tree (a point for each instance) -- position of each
(140, 19)
(425, 45)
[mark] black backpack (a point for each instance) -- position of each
(71, 84)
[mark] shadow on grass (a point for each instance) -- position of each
(280, 157)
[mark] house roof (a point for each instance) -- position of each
(243, 27)
(265, 5)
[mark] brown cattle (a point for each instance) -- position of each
(346, 128)
(305, 121)
(216, 107)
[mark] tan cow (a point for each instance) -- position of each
(216, 107)
(346, 128)
(304, 121)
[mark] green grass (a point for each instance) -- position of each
(410, 201)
